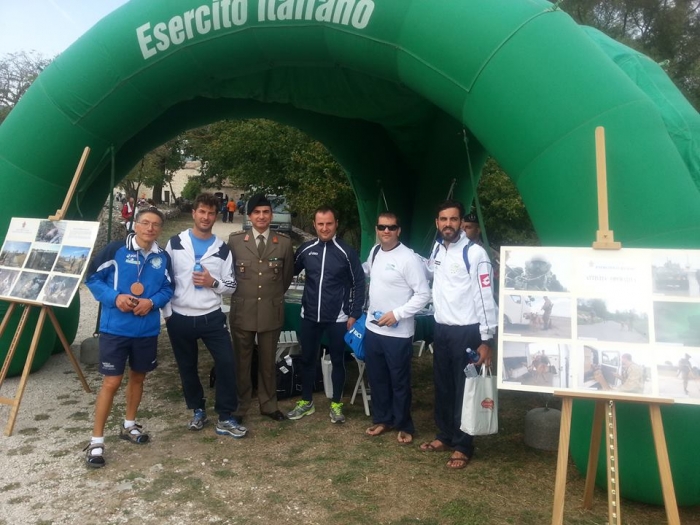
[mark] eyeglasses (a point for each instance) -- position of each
(148, 224)
(390, 227)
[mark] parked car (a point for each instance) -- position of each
(281, 216)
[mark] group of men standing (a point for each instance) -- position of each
(256, 268)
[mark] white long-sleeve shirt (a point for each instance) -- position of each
(397, 284)
(462, 298)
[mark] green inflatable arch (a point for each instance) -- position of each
(393, 88)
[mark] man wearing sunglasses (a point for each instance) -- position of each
(398, 290)
(465, 318)
(334, 294)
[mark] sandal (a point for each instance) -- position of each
(94, 460)
(433, 447)
(134, 434)
(377, 430)
(461, 462)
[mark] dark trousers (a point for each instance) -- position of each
(184, 331)
(244, 342)
(224, 215)
(449, 360)
(388, 361)
(311, 333)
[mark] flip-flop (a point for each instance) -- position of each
(381, 427)
(404, 438)
(462, 462)
(429, 447)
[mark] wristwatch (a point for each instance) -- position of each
(215, 284)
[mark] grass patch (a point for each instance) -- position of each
(10, 486)
(41, 417)
(29, 431)
(21, 451)
(18, 500)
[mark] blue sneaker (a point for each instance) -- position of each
(231, 427)
(198, 420)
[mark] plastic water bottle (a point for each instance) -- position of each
(197, 268)
(472, 355)
(377, 315)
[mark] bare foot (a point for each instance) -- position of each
(435, 446)
(458, 460)
(378, 429)
(404, 438)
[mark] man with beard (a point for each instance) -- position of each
(465, 318)
(203, 273)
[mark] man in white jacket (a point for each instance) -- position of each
(465, 324)
(398, 290)
(203, 272)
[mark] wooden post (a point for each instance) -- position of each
(604, 236)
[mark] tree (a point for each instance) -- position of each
(17, 72)
(506, 220)
(264, 156)
(668, 31)
(155, 170)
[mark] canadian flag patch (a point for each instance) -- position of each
(485, 280)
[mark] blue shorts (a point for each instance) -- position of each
(116, 349)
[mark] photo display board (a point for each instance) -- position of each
(43, 261)
(626, 321)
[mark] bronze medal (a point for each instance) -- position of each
(137, 288)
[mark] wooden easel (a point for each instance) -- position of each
(605, 405)
(46, 310)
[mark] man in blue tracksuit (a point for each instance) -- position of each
(132, 281)
(334, 294)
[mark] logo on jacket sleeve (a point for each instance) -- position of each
(485, 280)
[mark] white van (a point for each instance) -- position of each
(517, 309)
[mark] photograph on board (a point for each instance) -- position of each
(14, 253)
(59, 290)
(7, 280)
(51, 232)
(41, 257)
(72, 259)
(676, 273)
(29, 285)
(677, 323)
(531, 270)
(543, 365)
(679, 373)
(536, 316)
(626, 370)
(614, 319)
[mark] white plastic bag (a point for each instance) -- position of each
(327, 369)
(480, 404)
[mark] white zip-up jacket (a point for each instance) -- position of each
(462, 297)
(187, 299)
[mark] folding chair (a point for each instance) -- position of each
(360, 385)
(288, 344)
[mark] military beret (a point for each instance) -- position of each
(471, 217)
(257, 200)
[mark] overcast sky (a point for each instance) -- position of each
(48, 26)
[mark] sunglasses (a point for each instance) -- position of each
(390, 227)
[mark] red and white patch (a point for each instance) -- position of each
(488, 403)
(485, 280)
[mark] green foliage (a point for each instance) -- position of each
(192, 188)
(155, 169)
(506, 221)
(668, 32)
(267, 157)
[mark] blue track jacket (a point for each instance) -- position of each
(335, 282)
(114, 270)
